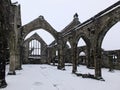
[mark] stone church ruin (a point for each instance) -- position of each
(34, 50)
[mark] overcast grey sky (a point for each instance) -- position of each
(59, 13)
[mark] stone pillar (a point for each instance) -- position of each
(12, 64)
(12, 56)
(5, 29)
(2, 64)
(74, 57)
(90, 59)
(61, 64)
(18, 62)
(18, 51)
(26, 53)
(17, 24)
(60, 58)
(49, 55)
(21, 55)
(97, 58)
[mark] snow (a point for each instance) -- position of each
(47, 77)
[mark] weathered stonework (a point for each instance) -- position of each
(14, 46)
(5, 28)
(91, 31)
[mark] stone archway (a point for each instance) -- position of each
(113, 19)
(89, 58)
(39, 23)
(103, 23)
(104, 32)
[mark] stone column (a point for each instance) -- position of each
(97, 58)
(60, 53)
(17, 24)
(26, 53)
(12, 64)
(60, 58)
(49, 55)
(18, 51)
(53, 55)
(91, 59)
(12, 57)
(18, 62)
(74, 56)
(5, 29)
(2, 64)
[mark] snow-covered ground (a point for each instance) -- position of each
(45, 77)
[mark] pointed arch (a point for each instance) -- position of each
(46, 36)
(109, 20)
(81, 42)
(38, 23)
(85, 39)
(113, 36)
(86, 49)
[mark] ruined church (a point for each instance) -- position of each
(16, 50)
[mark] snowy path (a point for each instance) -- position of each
(30, 78)
(44, 77)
